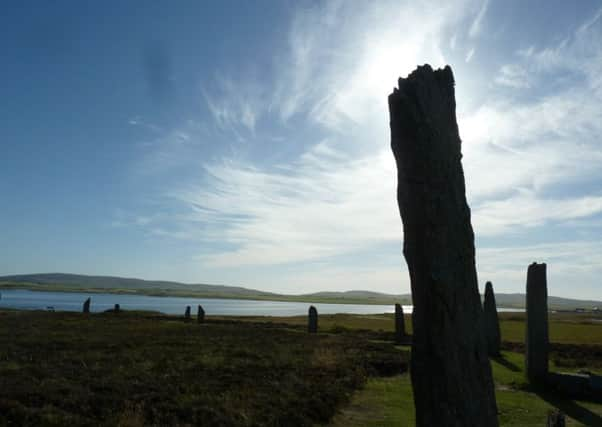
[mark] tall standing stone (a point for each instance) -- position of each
(536, 339)
(187, 314)
(400, 324)
(312, 320)
(492, 323)
(450, 370)
(200, 315)
(86, 308)
(117, 308)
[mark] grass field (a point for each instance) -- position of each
(568, 328)
(146, 369)
(135, 369)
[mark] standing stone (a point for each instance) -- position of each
(200, 315)
(556, 419)
(536, 339)
(86, 308)
(450, 370)
(312, 320)
(187, 314)
(117, 308)
(492, 323)
(400, 324)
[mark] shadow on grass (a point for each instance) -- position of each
(506, 363)
(571, 408)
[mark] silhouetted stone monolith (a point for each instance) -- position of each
(491, 321)
(450, 370)
(536, 339)
(200, 315)
(117, 308)
(187, 313)
(556, 419)
(312, 320)
(86, 308)
(400, 324)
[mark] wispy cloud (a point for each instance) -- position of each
(476, 26)
(235, 108)
(334, 195)
(470, 54)
(513, 75)
(317, 207)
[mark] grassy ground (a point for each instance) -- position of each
(567, 328)
(576, 344)
(147, 369)
(140, 369)
(389, 401)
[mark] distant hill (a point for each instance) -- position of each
(80, 283)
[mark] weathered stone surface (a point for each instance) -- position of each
(187, 313)
(400, 324)
(536, 339)
(491, 321)
(86, 308)
(312, 320)
(451, 374)
(200, 315)
(556, 419)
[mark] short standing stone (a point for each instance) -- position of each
(556, 419)
(117, 308)
(200, 316)
(187, 313)
(536, 339)
(400, 324)
(491, 321)
(86, 308)
(312, 321)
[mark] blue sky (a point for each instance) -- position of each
(247, 143)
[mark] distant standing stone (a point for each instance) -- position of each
(86, 308)
(491, 321)
(400, 324)
(200, 316)
(187, 314)
(312, 321)
(117, 308)
(536, 339)
(556, 419)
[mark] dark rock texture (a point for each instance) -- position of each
(536, 339)
(451, 374)
(312, 320)
(86, 308)
(187, 314)
(491, 321)
(400, 324)
(200, 315)
(556, 419)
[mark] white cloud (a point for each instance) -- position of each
(513, 75)
(526, 210)
(476, 26)
(573, 267)
(318, 207)
(470, 54)
(336, 196)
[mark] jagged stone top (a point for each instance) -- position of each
(444, 76)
